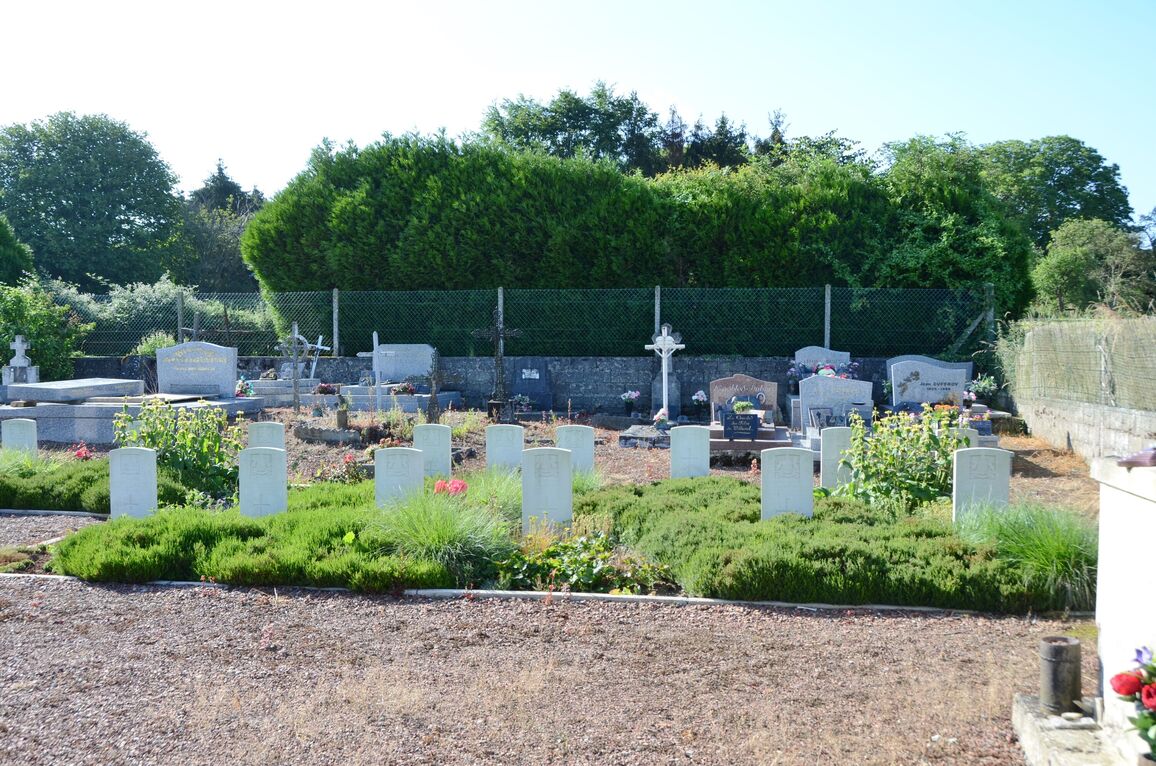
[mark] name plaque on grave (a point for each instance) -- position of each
(740, 425)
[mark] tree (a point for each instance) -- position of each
(221, 192)
(725, 146)
(15, 256)
(89, 195)
(213, 219)
(54, 332)
(1092, 260)
(1051, 180)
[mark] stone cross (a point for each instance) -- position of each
(433, 410)
(665, 344)
(19, 346)
(497, 335)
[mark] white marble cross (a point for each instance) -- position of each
(665, 344)
(19, 346)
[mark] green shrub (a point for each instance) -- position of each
(1055, 551)
(197, 445)
(585, 564)
(902, 462)
(151, 343)
(53, 332)
(55, 484)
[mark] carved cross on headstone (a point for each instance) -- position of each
(433, 410)
(19, 346)
(497, 335)
(665, 344)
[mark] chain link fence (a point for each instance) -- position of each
(611, 322)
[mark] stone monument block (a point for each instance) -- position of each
(198, 368)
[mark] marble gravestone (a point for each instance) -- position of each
(263, 480)
(831, 400)
(20, 369)
(722, 389)
(433, 439)
(915, 382)
(397, 361)
(197, 368)
(787, 481)
(18, 434)
(580, 441)
(673, 395)
(981, 476)
(813, 356)
(689, 451)
(397, 473)
(967, 367)
(504, 446)
(132, 481)
(532, 379)
(267, 434)
(834, 442)
(547, 488)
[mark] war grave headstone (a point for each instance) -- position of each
(532, 380)
(18, 434)
(547, 487)
(199, 368)
(132, 481)
(830, 401)
(970, 434)
(787, 481)
(263, 480)
(433, 440)
(981, 476)
(20, 368)
(689, 451)
(834, 441)
(267, 434)
(665, 343)
(504, 445)
(580, 441)
(917, 382)
(397, 473)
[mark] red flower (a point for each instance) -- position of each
(348, 458)
(440, 486)
(1127, 684)
(456, 487)
(1148, 696)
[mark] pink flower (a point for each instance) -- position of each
(456, 487)
(440, 486)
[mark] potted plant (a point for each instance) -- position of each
(521, 402)
(1139, 687)
(698, 400)
(629, 399)
(743, 407)
(983, 388)
(662, 420)
(796, 372)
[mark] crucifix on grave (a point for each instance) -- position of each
(665, 344)
(20, 369)
(497, 335)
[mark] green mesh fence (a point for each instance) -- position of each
(612, 322)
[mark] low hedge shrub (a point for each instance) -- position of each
(69, 485)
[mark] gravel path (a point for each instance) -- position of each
(21, 529)
(144, 675)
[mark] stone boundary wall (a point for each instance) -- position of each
(1090, 430)
(588, 383)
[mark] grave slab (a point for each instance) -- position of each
(919, 382)
(813, 356)
(92, 422)
(19, 434)
(267, 434)
(397, 473)
(62, 391)
(132, 476)
(532, 379)
(787, 481)
(547, 487)
(833, 400)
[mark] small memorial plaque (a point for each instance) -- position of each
(740, 425)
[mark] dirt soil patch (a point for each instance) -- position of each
(146, 675)
(1043, 474)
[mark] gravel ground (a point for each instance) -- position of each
(20, 529)
(145, 675)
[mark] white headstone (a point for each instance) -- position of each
(132, 481)
(980, 476)
(547, 490)
(197, 368)
(689, 451)
(835, 441)
(813, 356)
(19, 346)
(397, 361)
(397, 472)
(504, 445)
(918, 382)
(787, 481)
(970, 434)
(967, 367)
(433, 439)
(267, 434)
(18, 434)
(839, 395)
(580, 441)
(264, 483)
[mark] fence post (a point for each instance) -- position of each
(501, 323)
(180, 316)
(336, 324)
(827, 317)
(989, 311)
(657, 309)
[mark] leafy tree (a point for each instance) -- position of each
(1092, 260)
(54, 332)
(89, 195)
(725, 146)
(1051, 180)
(221, 192)
(214, 218)
(15, 256)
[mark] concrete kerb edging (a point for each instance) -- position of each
(524, 595)
(16, 512)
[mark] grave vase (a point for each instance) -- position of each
(794, 387)
(628, 405)
(343, 419)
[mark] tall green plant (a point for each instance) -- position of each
(198, 445)
(54, 332)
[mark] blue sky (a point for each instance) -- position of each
(259, 84)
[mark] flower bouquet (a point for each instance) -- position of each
(629, 399)
(1139, 687)
(698, 400)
